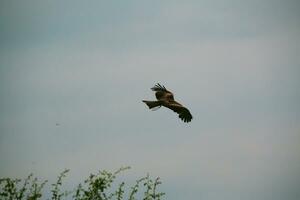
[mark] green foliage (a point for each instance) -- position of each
(10, 189)
(56, 194)
(96, 187)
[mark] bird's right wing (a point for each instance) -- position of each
(159, 87)
(162, 93)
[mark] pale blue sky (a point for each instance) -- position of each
(87, 66)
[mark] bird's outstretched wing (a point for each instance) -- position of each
(184, 113)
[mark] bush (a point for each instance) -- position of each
(96, 187)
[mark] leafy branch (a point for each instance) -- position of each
(99, 186)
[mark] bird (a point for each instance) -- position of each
(166, 98)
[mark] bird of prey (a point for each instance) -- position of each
(165, 98)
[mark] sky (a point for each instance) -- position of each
(73, 74)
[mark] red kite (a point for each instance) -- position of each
(166, 98)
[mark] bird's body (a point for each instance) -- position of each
(166, 98)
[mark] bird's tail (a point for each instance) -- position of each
(152, 104)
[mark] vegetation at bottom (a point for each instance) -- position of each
(100, 186)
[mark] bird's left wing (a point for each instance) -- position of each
(184, 113)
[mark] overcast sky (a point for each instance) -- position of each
(73, 74)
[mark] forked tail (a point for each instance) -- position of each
(152, 104)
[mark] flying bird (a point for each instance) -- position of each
(166, 98)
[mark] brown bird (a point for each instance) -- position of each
(166, 98)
